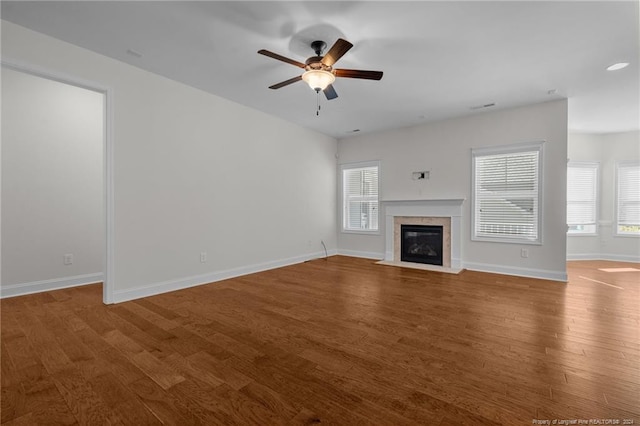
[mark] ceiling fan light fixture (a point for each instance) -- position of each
(318, 79)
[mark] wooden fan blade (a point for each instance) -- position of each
(330, 92)
(281, 58)
(339, 48)
(286, 82)
(369, 75)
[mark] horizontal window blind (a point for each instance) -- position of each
(582, 190)
(506, 195)
(360, 198)
(628, 198)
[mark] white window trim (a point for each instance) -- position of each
(615, 232)
(509, 149)
(359, 165)
(597, 201)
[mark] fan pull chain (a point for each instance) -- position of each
(318, 102)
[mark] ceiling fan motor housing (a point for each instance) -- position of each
(315, 63)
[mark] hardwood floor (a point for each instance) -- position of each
(338, 341)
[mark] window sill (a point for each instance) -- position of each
(354, 231)
(507, 241)
(627, 235)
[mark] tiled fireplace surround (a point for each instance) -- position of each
(444, 212)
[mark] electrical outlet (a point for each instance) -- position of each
(203, 257)
(67, 259)
(524, 253)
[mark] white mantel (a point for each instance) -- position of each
(450, 207)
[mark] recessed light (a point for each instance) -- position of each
(618, 66)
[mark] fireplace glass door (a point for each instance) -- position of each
(421, 244)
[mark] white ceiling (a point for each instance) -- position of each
(439, 58)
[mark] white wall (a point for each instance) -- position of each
(606, 149)
(52, 190)
(197, 173)
(444, 148)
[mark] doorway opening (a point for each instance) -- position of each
(56, 182)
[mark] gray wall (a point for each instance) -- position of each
(444, 148)
(197, 173)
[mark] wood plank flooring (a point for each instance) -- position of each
(336, 341)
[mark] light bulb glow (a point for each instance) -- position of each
(318, 79)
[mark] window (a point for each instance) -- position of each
(507, 193)
(628, 198)
(582, 198)
(360, 197)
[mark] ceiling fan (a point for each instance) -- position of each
(319, 73)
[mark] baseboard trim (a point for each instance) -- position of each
(362, 254)
(542, 274)
(196, 280)
(604, 256)
(22, 289)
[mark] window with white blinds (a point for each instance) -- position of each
(582, 198)
(360, 197)
(507, 194)
(628, 198)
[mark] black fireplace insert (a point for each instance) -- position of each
(421, 244)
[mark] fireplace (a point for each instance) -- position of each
(421, 244)
(446, 213)
(416, 225)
